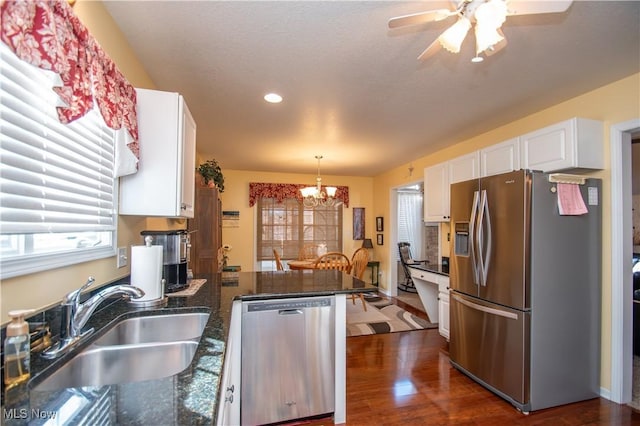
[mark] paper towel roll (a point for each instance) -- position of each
(146, 271)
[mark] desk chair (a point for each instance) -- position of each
(407, 260)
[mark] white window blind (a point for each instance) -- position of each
(410, 220)
(56, 178)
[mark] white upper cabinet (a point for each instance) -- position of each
(500, 158)
(575, 143)
(464, 167)
(164, 183)
(437, 180)
(436, 193)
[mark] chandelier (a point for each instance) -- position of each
(313, 196)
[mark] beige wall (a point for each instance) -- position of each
(43, 289)
(236, 197)
(613, 103)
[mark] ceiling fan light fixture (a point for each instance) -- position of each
(486, 38)
(453, 37)
(489, 18)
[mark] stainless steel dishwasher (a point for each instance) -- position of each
(288, 359)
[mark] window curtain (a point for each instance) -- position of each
(48, 35)
(410, 221)
(283, 191)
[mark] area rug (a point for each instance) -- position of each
(411, 299)
(381, 316)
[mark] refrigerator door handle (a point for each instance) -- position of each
(486, 309)
(480, 239)
(472, 236)
(485, 254)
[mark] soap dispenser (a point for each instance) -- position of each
(17, 349)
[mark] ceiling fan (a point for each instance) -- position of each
(488, 16)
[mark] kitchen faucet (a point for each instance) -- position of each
(75, 315)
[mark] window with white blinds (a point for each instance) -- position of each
(57, 191)
(288, 226)
(410, 220)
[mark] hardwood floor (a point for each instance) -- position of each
(406, 379)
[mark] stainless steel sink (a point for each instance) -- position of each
(135, 349)
(158, 328)
(110, 365)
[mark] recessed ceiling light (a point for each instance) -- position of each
(477, 59)
(273, 98)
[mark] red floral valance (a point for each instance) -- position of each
(282, 191)
(49, 35)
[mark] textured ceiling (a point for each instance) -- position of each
(353, 89)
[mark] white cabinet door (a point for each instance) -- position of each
(465, 167)
(229, 404)
(164, 183)
(436, 193)
(575, 143)
(443, 312)
(500, 158)
(437, 180)
(188, 164)
(443, 307)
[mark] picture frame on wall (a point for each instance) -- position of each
(379, 239)
(358, 223)
(379, 224)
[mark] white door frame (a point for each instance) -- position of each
(621, 252)
(392, 272)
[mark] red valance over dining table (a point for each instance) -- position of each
(282, 191)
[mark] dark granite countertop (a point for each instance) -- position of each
(187, 398)
(439, 268)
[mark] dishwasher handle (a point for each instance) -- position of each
(289, 312)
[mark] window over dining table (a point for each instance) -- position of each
(288, 226)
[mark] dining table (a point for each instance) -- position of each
(301, 264)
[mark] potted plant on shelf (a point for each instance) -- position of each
(212, 174)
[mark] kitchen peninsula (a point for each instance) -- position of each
(195, 395)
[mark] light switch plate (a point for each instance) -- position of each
(121, 258)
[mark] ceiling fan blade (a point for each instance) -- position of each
(529, 7)
(430, 51)
(420, 18)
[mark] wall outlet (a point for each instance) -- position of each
(121, 257)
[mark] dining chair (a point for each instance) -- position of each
(333, 260)
(308, 252)
(276, 255)
(359, 262)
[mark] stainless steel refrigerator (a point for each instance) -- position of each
(526, 289)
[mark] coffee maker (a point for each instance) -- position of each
(175, 257)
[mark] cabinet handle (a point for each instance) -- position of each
(229, 399)
(231, 388)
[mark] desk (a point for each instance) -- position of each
(375, 271)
